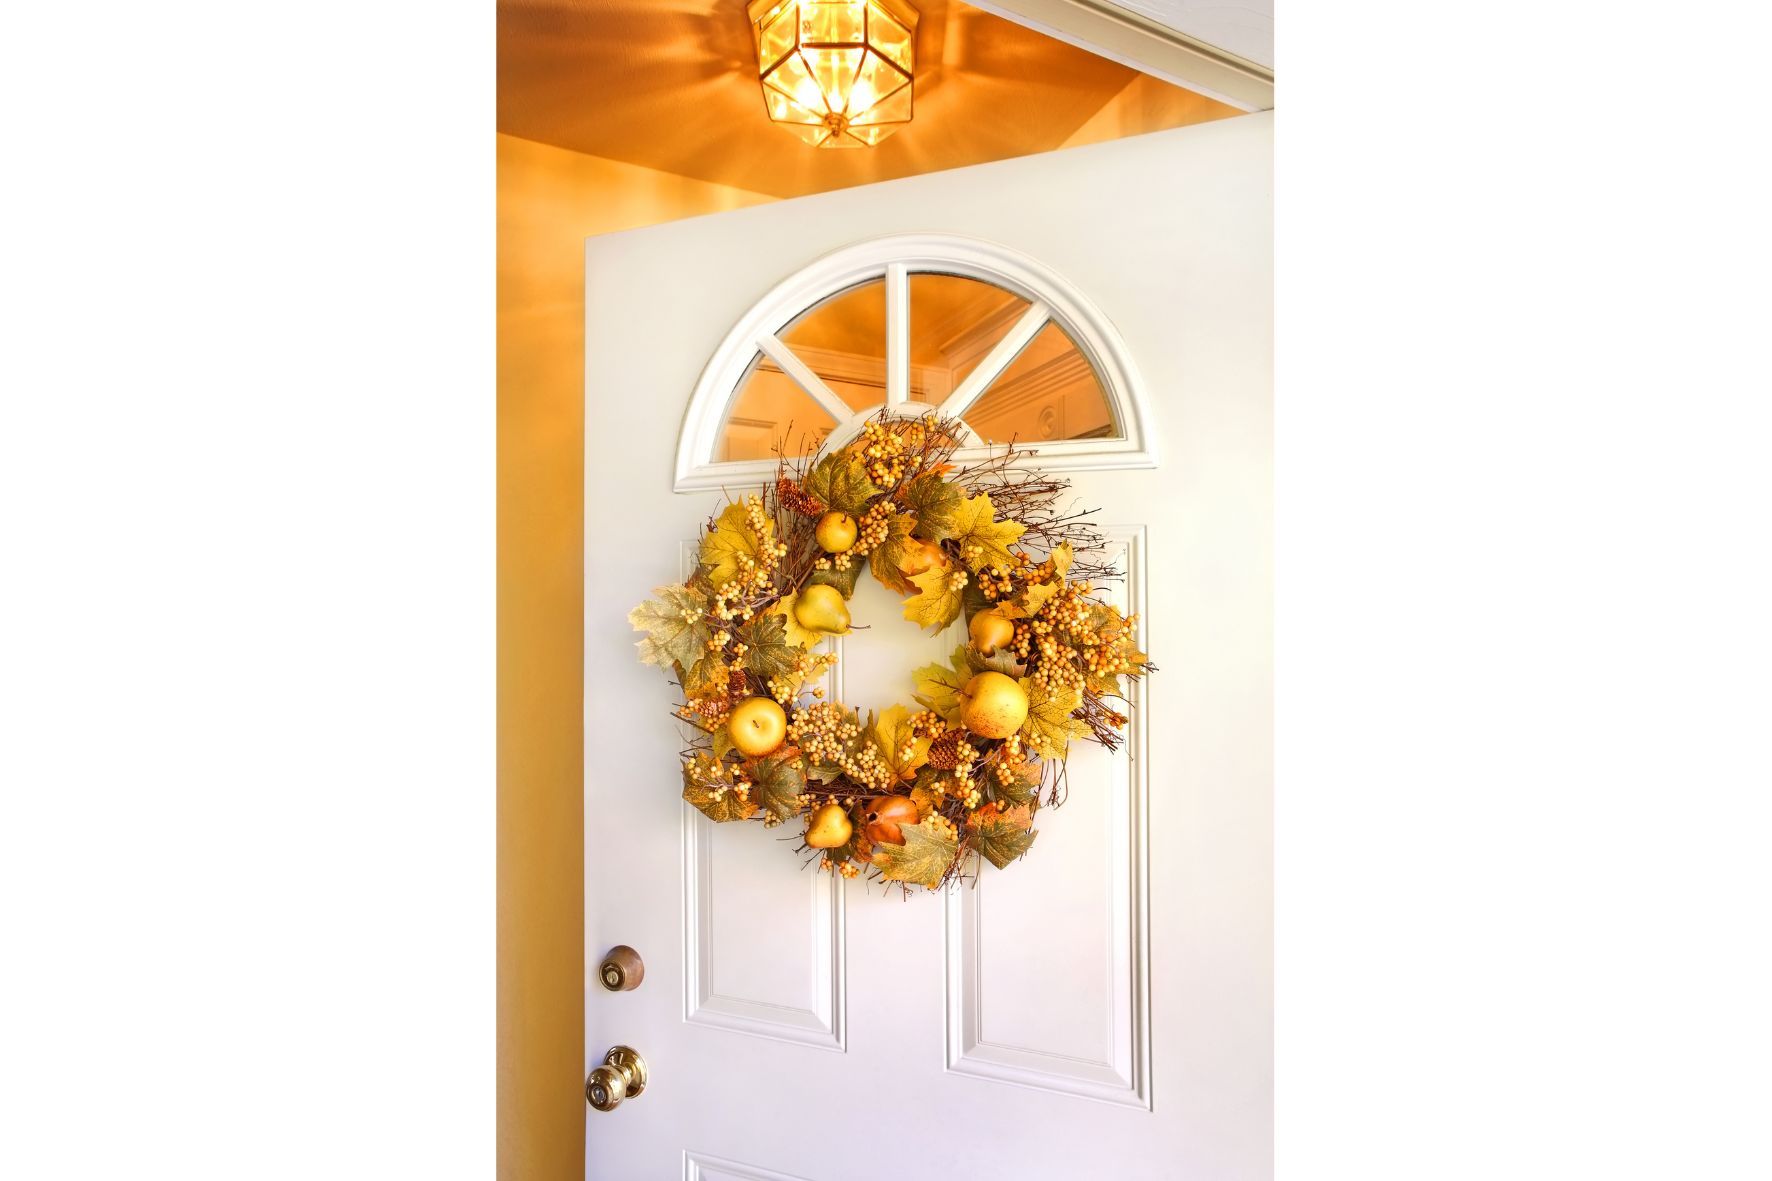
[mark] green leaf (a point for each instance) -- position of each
(1019, 789)
(983, 539)
(676, 627)
(1050, 727)
(973, 599)
(842, 579)
(935, 501)
(1001, 841)
(884, 559)
(706, 675)
(920, 861)
(729, 540)
(768, 651)
(937, 686)
(936, 603)
(900, 749)
(776, 783)
(702, 776)
(841, 481)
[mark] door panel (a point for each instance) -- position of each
(1101, 1009)
(1082, 1031)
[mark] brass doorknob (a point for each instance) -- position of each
(621, 970)
(622, 1076)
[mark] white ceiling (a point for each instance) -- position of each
(1242, 27)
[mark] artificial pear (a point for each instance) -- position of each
(821, 608)
(830, 828)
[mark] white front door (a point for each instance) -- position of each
(1101, 1009)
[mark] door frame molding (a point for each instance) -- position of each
(1109, 31)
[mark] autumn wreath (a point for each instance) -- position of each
(909, 795)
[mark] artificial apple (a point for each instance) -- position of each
(993, 705)
(821, 608)
(830, 828)
(990, 631)
(882, 815)
(836, 533)
(757, 726)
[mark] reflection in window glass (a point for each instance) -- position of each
(1048, 392)
(843, 340)
(955, 322)
(770, 409)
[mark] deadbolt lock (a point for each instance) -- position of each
(621, 970)
(622, 1076)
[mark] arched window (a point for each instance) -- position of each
(969, 328)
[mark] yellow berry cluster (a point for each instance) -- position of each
(889, 451)
(928, 723)
(1011, 755)
(941, 826)
(998, 583)
(720, 779)
(711, 709)
(755, 576)
(872, 529)
(806, 666)
(827, 733)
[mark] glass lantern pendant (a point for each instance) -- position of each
(837, 73)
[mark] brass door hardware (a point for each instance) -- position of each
(622, 1076)
(621, 970)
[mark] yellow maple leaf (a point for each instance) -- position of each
(729, 540)
(1050, 727)
(1062, 555)
(675, 626)
(921, 860)
(984, 540)
(900, 749)
(937, 686)
(936, 603)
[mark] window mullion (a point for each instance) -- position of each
(898, 334)
(997, 360)
(772, 347)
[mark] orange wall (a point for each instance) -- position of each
(1146, 105)
(549, 201)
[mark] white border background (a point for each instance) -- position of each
(246, 674)
(246, 626)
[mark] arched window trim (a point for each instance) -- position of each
(1051, 298)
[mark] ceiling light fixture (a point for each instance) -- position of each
(837, 73)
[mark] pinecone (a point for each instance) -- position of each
(738, 685)
(796, 498)
(944, 752)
